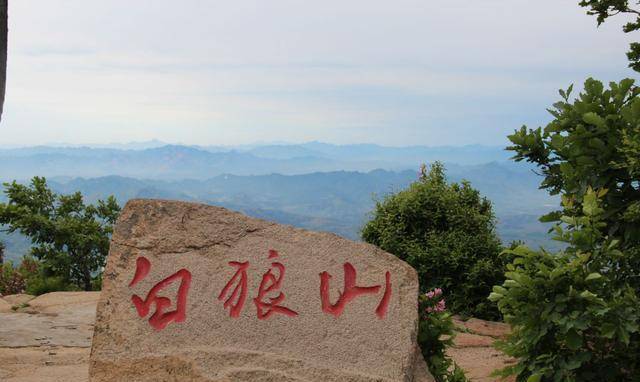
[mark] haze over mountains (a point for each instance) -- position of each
(314, 185)
(189, 162)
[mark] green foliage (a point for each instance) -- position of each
(604, 9)
(96, 283)
(576, 314)
(592, 142)
(40, 284)
(572, 319)
(435, 334)
(31, 277)
(40, 280)
(11, 279)
(446, 232)
(69, 237)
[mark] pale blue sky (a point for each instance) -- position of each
(402, 72)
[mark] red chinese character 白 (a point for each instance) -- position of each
(351, 291)
(239, 294)
(271, 283)
(160, 319)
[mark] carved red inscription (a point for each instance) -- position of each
(351, 291)
(160, 319)
(268, 301)
(271, 283)
(235, 301)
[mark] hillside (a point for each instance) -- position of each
(335, 201)
(173, 162)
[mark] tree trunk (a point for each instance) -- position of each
(4, 31)
(86, 280)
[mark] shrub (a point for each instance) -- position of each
(40, 284)
(575, 313)
(31, 277)
(447, 233)
(71, 237)
(593, 141)
(40, 279)
(435, 334)
(571, 318)
(11, 280)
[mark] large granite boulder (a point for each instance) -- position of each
(200, 293)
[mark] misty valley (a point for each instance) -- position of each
(315, 186)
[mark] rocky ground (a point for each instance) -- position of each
(473, 350)
(48, 339)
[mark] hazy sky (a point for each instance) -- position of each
(236, 71)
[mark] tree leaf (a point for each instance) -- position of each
(534, 378)
(608, 330)
(574, 340)
(593, 119)
(593, 276)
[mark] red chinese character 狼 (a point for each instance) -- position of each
(160, 319)
(271, 283)
(351, 291)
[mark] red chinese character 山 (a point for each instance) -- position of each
(235, 301)
(160, 319)
(351, 291)
(271, 283)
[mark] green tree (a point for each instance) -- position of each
(69, 237)
(576, 314)
(2, 248)
(571, 318)
(603, 9)
(593, 142)
(447, 233)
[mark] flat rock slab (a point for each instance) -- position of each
(44, 364)
(65, 302)
(53, 319)
(468, 340)
(479, 363)
(483, 328)
(74, 307)
(200, 293)
(25, 330)
(5, 307)
(18, 299)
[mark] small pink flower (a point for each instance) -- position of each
(434, 293)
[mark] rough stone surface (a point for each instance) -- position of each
(469, 340)
(473, 349)
(44, 364)
(5, 307)
(479, 363)
(54, 319)
(18, 299)
(212, 346)
(420, 369)
(78, 307)
(48, 362)
(484, 328)
(51, 343)
(25, 329)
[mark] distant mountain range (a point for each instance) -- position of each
(173, 162)
(291, 184)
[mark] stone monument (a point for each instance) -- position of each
(199, 293)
